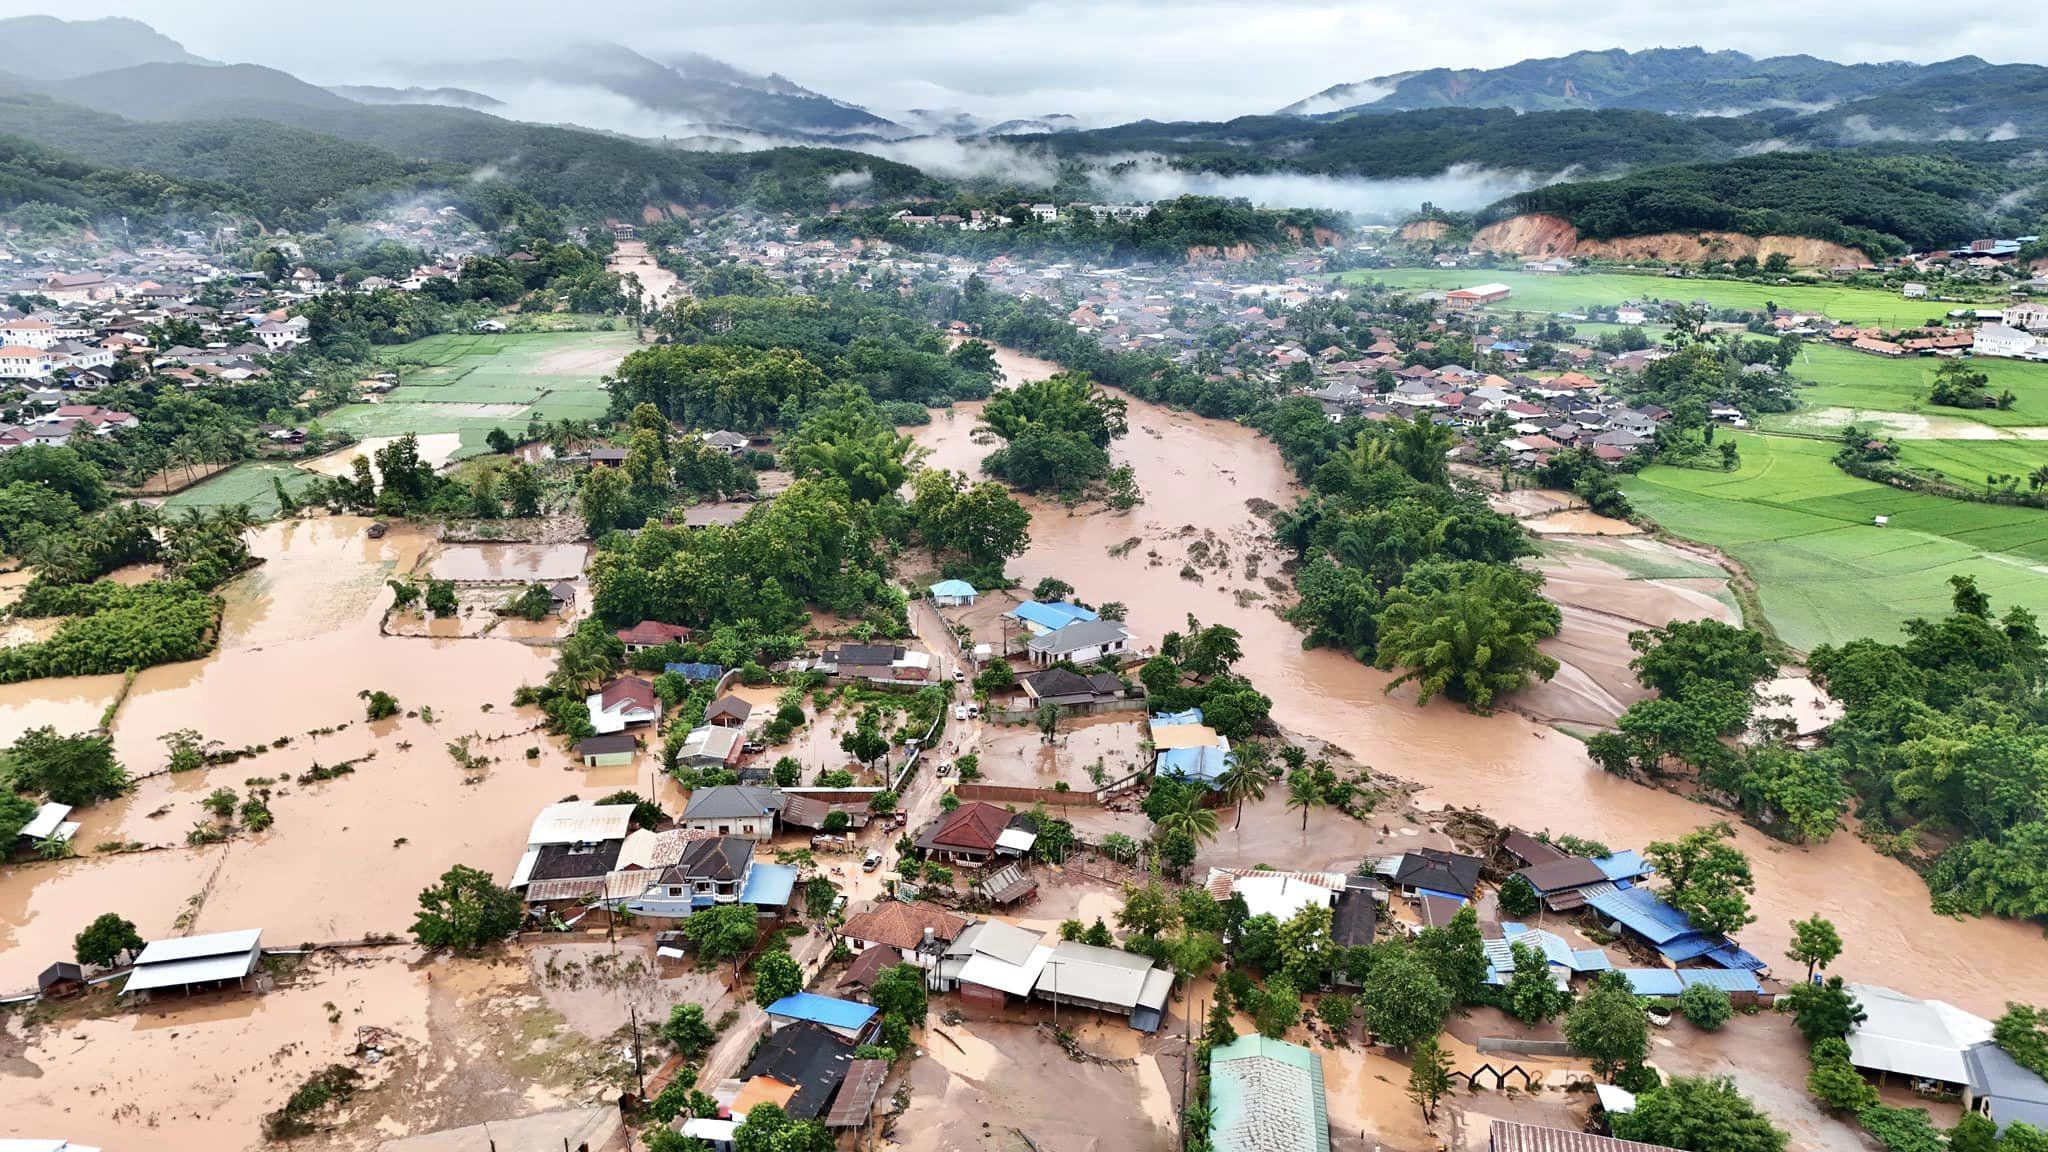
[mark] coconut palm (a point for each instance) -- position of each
(1239, 783)
(1305, 793)
(1190, 816)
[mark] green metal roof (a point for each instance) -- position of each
(1267, 1096)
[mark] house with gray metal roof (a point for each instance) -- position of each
(732, 809)
(1083, 641)
(1267, 1096)
(1107, 980)
(201, 962)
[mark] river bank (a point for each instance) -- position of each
(1202, 479)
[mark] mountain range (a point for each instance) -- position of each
(1616, 140)
(1678, 81)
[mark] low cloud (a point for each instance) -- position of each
(1460, 188)
(849, 181)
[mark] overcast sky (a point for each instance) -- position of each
(1105, 61)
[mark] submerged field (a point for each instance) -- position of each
(1826, 573)
(1576, 293)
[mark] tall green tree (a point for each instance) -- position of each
(1815, 943)
(466, 911)
(1468, 631)
(1608, 1027)
(106, 940)
(72, 770)
(1402, 1002)
(1698, 1114)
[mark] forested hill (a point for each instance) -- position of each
(1684, 81)
(1422, 143)
(299, 165)
(1883, 202)
(65, 189)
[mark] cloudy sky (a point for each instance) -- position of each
(1102, 60)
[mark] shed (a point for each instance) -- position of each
(196, 961)
(1923, 1039)
(857, 1094)
(60, 979)
(613, 750)
(49, 824)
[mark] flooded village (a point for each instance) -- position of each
(574, 831)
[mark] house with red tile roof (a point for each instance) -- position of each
(652, 634)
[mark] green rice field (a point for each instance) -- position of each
(470, 384)
(1841, 378)
(1825, 572)
(1579, 292)
(246, 483)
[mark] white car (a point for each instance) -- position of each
(873, 861)
(945, 767)
(959, 711)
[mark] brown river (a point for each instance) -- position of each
(1200, 472)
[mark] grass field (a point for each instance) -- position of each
(1576, 293)
(469, 384)
(1826, 574)
(1841, 378)
(245, 483)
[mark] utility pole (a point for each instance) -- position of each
(639, 1069)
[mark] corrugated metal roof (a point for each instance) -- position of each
(1508, 1136)
(1267, 1096)
(856, 1099)
(990, 971)
(580, 822)
(191, 947)
(827, 1010)
(195, 970)
(1913, 1037)
(1077, 971)
(47, 820)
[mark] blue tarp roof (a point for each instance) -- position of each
(1555, 949)
(953, 588)
(695, 671)
(1168, 719)
(769, 885)
(1624, 865)
(1453, 897)
(1670, 982)
(1051, 615)
(827, 1010)
(1204, 764)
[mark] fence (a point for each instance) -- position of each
(1520, 1047)
(1006, 794)
(1132, 703)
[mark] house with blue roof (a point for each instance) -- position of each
(1040, 617)
(952, 593)
(1642, 914)
(846, 1018)
(694, 672)
(1187, 749)
(1563, 960)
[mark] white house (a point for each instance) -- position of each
(1914, 292)
(19, 362)
(2031, 316)
(1083, 642)
(1990, 340)
(28, 332)
(278, 335)
(1630, 316)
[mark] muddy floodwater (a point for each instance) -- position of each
(543, 562)
(1199, 472)
(347, 856)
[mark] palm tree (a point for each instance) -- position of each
(1191, 817)
(1242, 782)
(1304, 793)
